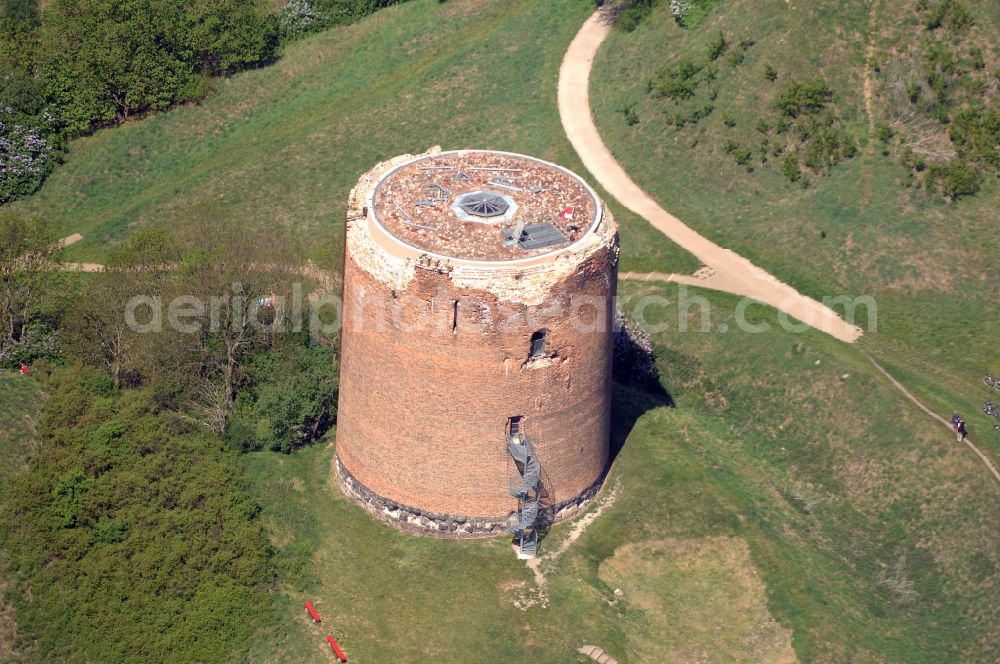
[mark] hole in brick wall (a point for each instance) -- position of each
(539, 342)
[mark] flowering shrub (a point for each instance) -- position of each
(36, 342)
(26, 159)
(299, 17)
(690, 13)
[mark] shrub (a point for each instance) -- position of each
(717, 46)
(798, 98)
(976, 58)
(790, 166)
(935, 17)
(18, 15)
(976, 135)
(677, 82)
(631, 116)
(770, 73)
(826, 147)
(951, 13)
(693, 116)
(626, 15)
(36, 342)
(690, 13)
(959, 17)
(160, 524)
(883, 132)
(957, 178)
(299, 17)
(741, 153)
(26, 159)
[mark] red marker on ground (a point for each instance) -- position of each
(336, 649)
(312, 612)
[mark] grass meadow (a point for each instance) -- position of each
(930, 265)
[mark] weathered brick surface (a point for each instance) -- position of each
(433, 365)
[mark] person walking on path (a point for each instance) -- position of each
(960, 430)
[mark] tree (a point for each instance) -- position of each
(232, 276)
(29, 252)
(97, 328)
(958, 178)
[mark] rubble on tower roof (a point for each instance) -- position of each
(471, 204)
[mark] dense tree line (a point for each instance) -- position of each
(88, 63)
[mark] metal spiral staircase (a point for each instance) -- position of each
(526, 490)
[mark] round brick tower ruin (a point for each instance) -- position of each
(475, 386)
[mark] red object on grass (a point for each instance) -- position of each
(336, 649)
(312, 612)
(24, 369)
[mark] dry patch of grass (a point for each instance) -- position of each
(696, 600)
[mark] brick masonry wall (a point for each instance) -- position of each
(431, 372)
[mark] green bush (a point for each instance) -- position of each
(956, 179)
(826, 148)
(800, 98)
(18, 16)
(790, 166)
(717, 46)
(677, 82)
(631, 116)
(154, 542)
(288, 399)
(693, 116)
(935, 17)
(976, 135)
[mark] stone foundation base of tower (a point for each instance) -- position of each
(453, 526)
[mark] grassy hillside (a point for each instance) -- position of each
(805, 502)
(931, 265)
(791, 480)
(283, 145)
